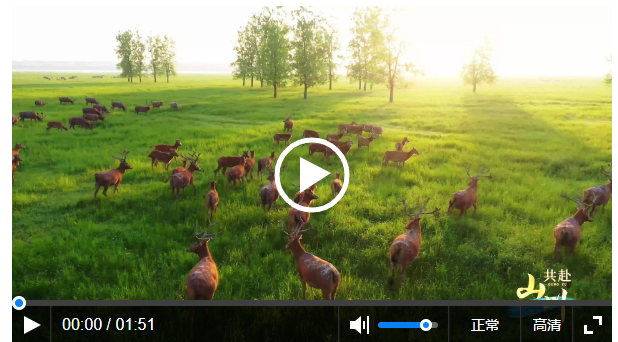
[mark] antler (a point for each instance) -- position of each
(576, 199)
(483, 172)
(298, 186)
(468, 170)
(607, 174)
(419, 208)
(206, 235)
(298, 231)
(124, 155)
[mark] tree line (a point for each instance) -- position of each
(139, 57)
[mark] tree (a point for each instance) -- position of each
(331, 42)
(608, 76)
(309, 59)
(275, 48)
(167, 57)
(392, 66)
(365, 46)
(479, 69)
(155, 50)
(138, 50)
(124, 52)
(240, 64)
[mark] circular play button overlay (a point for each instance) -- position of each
(310, 174)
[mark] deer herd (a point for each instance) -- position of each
(203, 279)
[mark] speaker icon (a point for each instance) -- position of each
(359, 324)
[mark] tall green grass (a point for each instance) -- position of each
(538, 137)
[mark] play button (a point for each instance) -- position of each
(29, 325)
(311, 174)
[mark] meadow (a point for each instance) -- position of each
(538, 137)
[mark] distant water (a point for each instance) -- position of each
(115, 72)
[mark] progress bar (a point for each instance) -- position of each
(424, 325)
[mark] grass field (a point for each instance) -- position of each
(539, 137)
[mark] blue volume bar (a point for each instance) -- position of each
(399, 325)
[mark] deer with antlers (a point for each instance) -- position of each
(265, 163)
(568, 233)
(212, 199)
(295, 216)
(405, 247)
(464, 199)
(400, 144)
(336, 185)
(313, 271)
(299, 195)
(203, 279)
(185, 178)
(269, 194)
(288, 125)
(599, 195)
(111, 177)
(236, 173)
(184, 163)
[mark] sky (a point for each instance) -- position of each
(527, 41)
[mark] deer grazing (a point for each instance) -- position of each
(40, 103)
(362, 141)
(398, 156)
(15, 165)
(405, 247)
(269, 194)
(288, 124)
(250, 164)
(568, 233)
(225, 162)
(77, 121)
(334, 137)
(281, 137)
(116, 104)
(336, 185)
(174, 106)
(111, 177)
(599, 195)
(400, 144)
(185, 178)
(377, 130)
(343, 128)
(295, 216)
(299, 195)
(464, 199)
(313, 271)
(310, 134)
(236, 173)
(265, 163)
(91, 100)
(212, 199)
(203, 279)
(163, 157)
(56, 124)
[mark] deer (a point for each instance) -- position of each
(212, 199)
(111, 177)
(15, 152)
(295, 216)
(184, 164)
(203, 279)
(334, 137)
(343, 128)
(288, 124)
(367, 128)
(313, 271)
(398, 156)
(174, 106)
(336, 185)
(310, 134)
(40, 103)
(78, 121)
(328, 152)
(269, 194)
(281, 137)
(299, 195)
(400, 144)
(358, 130)
(56, 124)
(313, 148)
(164, 157)
(265, 163)
(91, 100)
(599, 195)
(464, 199)
(225, 162)
(15, 165)
(341, 144)
(250, 164)
(362, 141)
(168, 148)
(405, 247)
(568, 233)
(377, 130)
(185, 178)
(236, 173)
(15, 120)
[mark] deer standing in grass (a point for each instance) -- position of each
(398, 156)
(225, 162)
(362, 141)
(203, 279)
(236, 173)
(212, 199)
(405, 247)
(15, 152)
(185, 178)
(400, 144)
(265, 163)
(288, 125)
(111, 177)
(464, 199)
(299, 195)
(313, 271)
(269, 194)
(599, 195)
(343, 128)
(336, 185)
(295, 216)
(163, 157)
(568, 233)
(250, 164)
(334, 137)
(184, 164)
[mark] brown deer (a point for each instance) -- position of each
(328, 152)
(212, 199)
(341, 144)
(288, 125)
(14, 165)
(156, 104)
(464, 199)
(40, 103)
(174, 106)
(295, 216)
(91, 100)
(398, 156)
(269, 194)
(358, 130)
(310, 134)
(334, 137)
(568, 233)
(185, 178)
(299, 195)
(168, 148)
(225, 162)
(56, 124)
(315, 272)
(236, 173)
(336, 185)
(15, 119)
(367, 128)
(313, 148)
(400, 144)
(250, 164)
(111, 177)
(599, 195)
(203, 279)
(405, 247)
(343, 128)
(15, 152)
(184, 164)
(119, 105)
(282, 137)
(265, 163)
(377, 130)
(164, 157)
(362, 141)
(77, 121)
